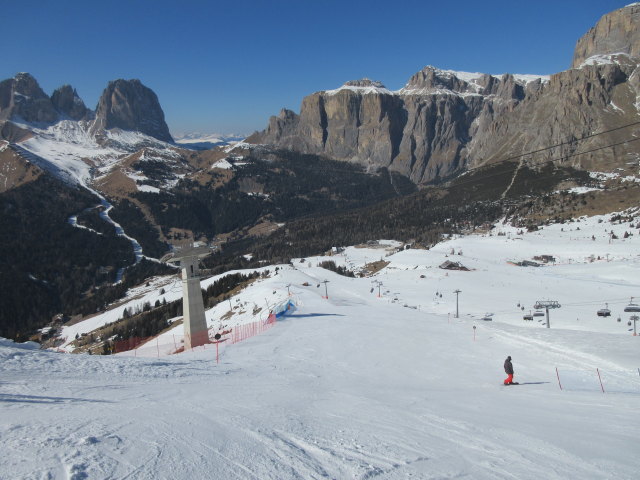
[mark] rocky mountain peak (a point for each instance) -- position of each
(66, 100)
(286, 114)
(26, 84)
(364, 82)
(615, 32)
(430, 78)
(363, 86)
(129, 105)
(22, 97)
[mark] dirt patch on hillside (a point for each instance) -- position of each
(14, 170)
(374, 267)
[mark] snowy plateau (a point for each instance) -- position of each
(379, 380)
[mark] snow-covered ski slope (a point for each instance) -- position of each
(358, 386)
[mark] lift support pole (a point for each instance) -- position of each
(547, 304)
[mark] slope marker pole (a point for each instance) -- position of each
(558, 375)
(599, 378)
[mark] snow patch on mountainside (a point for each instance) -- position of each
(223, 164)
(606, 59)
(361, 90)
(473, 77)
(148, 189)
(69, 146)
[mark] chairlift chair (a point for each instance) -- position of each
(632, 307)
(538, 313)
(604, 312)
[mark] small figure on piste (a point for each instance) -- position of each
(508, 368)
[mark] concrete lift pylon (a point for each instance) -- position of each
(195, 323)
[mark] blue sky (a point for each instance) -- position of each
(226, 66)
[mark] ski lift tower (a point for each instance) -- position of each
(457, 292)
(195, 323)
(547, 304)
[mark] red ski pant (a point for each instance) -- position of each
(509, 379)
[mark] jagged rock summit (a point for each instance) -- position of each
(125, 104)
(443, 122)
(66, 100)
(616, 32)
(21, 97)
(129, 105)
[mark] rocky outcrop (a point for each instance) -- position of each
(22, 98)
(442, 122)
(66, 100)
(615, 32)
(129, 105)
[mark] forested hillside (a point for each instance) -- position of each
(46, 264)
(423, 217)
(278, 186)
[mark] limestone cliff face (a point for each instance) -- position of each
(615, 32)
(574, 104)
(129, 105)
(421, 130)
(442, 122)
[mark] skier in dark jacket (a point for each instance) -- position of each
(508, 368)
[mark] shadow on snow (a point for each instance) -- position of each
(14, 398)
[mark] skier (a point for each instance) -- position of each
(508, 368)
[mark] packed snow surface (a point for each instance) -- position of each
(359, 386)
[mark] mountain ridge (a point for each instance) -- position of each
(443, 122)
(124, 104)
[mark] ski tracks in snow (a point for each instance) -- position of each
(432, 447)
(565, 354)
(88, 450)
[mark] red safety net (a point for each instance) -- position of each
(169, 344)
